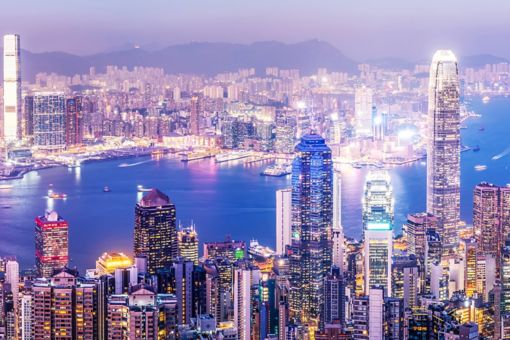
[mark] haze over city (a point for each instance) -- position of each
(264, 170)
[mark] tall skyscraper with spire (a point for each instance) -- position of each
(12, 89)
(443, 148)
(312, 219)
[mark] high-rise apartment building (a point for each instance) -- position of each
(195, 116)
(74, 121)
(416, 232)
(51, 243)
(49, 120)
(312, 222)
(155, 230)
(12, 122)
(443, 147)
(283, 219)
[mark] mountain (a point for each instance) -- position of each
(480, 60)
(197, 58)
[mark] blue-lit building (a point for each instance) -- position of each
(312, 215)
(49, 121)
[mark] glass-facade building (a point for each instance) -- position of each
(155, 230)
(12, 89)
(378, 206)
(443, 146)
(49, 119)
(312, 218)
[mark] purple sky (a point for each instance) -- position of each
(362, 29)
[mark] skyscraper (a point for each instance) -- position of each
(443, 147)
(51, 243)
(338, 232)
(416, 231)
(12, 89)
(283, 219)
(363, 111)
(74, 116)
(378, 230)
(195, 116)
(49, 121)
(187, 242)
(155, 230)
(312, 219)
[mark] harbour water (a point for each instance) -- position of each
(227, 198)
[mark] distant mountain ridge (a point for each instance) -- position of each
(197, 58)
(213, 58)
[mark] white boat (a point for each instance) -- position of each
(480, 167)
(486, 99)
(6, 186)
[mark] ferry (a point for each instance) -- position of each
(56, 195)
(140, 188)
(486, 99)
(259, 251)
(480, 167)
(6, 186)
(275, 171)
(231, 156)
(481, 128)
(195, 156)
(476, 148)
(106, 189)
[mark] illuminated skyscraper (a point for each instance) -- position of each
(187, 243)
(363, 111)
(283, 219)
(443, 148)
(109, 262)
(195, 116)
(416, 231)
(312, 223)
(51, 243)
(74, 116)
(155, 230)
(49, 121)
(378, 230)
(12, 89)
(338, 232)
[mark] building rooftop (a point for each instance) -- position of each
(155, 198)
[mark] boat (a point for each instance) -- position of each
(486, 99)
(6, 186)
(275, 171)
(476, 148)
(480, 167)
(259, 251)
(106, 189)
(56, 195)
(141, 188)
(195, 156)
(481, 128)
(231, 156)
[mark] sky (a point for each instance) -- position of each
(361, 29)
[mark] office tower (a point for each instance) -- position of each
(285, 132)
(155, 230)
(51, 243)
(25, 322)
(334, 298)
(416, 232)
(405, 279)
(245, 276)
(338, 232)
(312, 219)
(49, 121)
(190, 290)
(393, 319)
(469, 257)
(378, 230)
(74, 121)
(363, 111)
(12, 123)
(195, 116)
(376, 313)
(229, 249)
(433, 251)
(64, 307)
(491, 210)
(12, 278)
(107, 263)
(443, 147)
(187, 244)
(283, 219)
(485, 274)
(505, 280)
(218, 288)
(28, 117)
